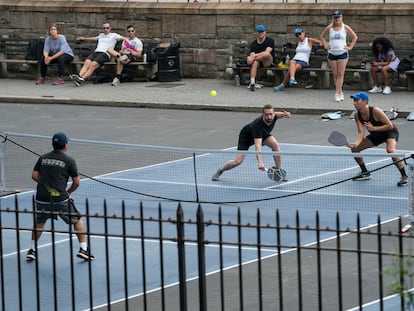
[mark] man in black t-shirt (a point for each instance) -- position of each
(262, 53)
(51, 172)
(257, 133)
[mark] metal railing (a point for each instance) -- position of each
(215, 263)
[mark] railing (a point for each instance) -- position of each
(219, 264)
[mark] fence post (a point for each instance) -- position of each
(181, 258)
(201, 259)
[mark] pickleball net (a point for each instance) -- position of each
(319, 178)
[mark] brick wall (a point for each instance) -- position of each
(207, 31)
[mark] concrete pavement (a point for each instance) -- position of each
(193, 94)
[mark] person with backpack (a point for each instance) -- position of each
(385, 61)
(56, 50)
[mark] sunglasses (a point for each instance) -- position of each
(106, 27)
(131, 30)
(297, 34)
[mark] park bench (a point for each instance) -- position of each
(13, 50)
(318, 75)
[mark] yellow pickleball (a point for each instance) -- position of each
(213, 93)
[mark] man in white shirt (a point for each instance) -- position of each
(106, 41)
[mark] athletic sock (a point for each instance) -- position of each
(83, 245)
(402, 171)
(363, 168)
(252, 80)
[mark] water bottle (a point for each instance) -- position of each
(145, 57)
(287, 60)
(237, 79)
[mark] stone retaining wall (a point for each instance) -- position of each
(206, 31)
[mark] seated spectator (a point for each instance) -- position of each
(56, 50)
(300, 60)
(106, 42)
(262, 53)
(385, 61)
(131, 49)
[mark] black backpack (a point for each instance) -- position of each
(404, 65)
(34, 49)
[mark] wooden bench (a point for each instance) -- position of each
(145, 69)
(317, 75)
(319, 67)
(12, 52)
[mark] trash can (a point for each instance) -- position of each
(168, 58)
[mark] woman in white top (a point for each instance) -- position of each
(338, 49)
(300, 60)
(385, 61)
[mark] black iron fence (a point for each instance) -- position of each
(168, 256)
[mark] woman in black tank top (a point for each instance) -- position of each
(381, 130)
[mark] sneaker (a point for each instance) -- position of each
(342, 96)
(279, 88)
(337, 97)
(387, 90)
(123, 59)
(116, 81)
(41, 80)
(85, 254)
(74, 79)
(362, 176)
(252, 87)
(58, 81)
(292, 82)
(375, 89)
(31, 255)
(403, 181)
(217, 175)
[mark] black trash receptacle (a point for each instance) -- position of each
(168, 59)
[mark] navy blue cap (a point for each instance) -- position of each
(360, 95)
(298, 30)
(59, 140)
(337, 13)
(260, 28)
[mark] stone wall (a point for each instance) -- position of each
(206, 31)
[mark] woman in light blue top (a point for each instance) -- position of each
(300, 60)
(56, 50)
(338, 49)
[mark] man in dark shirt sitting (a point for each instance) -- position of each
(262, 53)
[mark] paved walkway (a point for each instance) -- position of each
(193, 94)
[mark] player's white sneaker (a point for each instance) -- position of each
(387, 90)
(116, 81)
(375, 89)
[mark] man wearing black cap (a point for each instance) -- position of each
(381, 130)
(51, 172)
(261, 54)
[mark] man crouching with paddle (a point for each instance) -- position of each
(381, 130)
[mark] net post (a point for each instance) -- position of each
(2, 186)
(410, 165)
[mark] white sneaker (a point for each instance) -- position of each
(342, 96)
(123, 59)
(337, 97)
(376, 89)
(387, 90)
(116, 81)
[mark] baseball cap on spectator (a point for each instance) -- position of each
(337, 13)
(59, 140)
(260, 28)
(298, 31)
(360, 95)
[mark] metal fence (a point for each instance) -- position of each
(343, 269)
